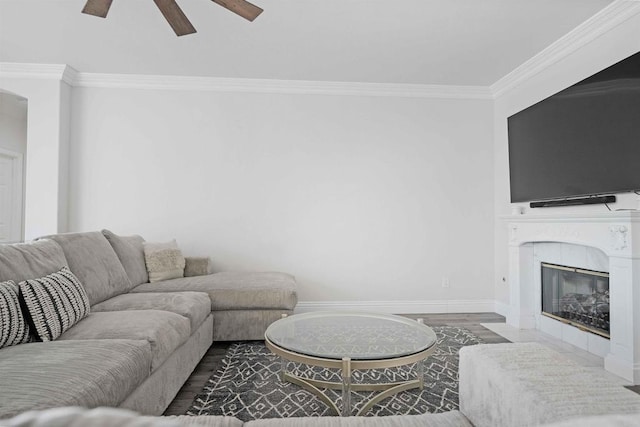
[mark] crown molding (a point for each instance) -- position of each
(69, 75)
(605, 20)
(219, 84)
(17, 70)
(34, 71)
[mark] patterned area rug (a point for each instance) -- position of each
(248, 386)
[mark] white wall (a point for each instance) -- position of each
(13, 123)
(362, 198)
(609, 48)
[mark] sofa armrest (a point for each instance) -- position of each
(197, 266)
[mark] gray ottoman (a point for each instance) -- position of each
(528, 384)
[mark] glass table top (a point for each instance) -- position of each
(360, 336)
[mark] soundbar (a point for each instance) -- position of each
(573, 202)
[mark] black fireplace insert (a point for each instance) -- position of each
(576, 296)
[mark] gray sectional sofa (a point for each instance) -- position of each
(140, 341)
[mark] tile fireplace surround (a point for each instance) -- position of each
(601, 241)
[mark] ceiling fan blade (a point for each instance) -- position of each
(97, 7)
(175, 17)
(241, 7)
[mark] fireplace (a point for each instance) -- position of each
(576, 296)
(596, 241)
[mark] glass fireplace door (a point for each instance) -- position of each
(576, 296)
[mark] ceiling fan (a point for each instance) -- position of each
(174, 15)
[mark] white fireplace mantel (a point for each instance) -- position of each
(617, 235)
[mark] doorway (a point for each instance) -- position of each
(11, 212)
(13, 146)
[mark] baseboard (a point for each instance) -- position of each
(501, 308)
(622, 368)
(401, 307)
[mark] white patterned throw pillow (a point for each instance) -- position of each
(14, 329)
(164, 261)
(54, 303)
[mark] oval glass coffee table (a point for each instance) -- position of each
(351, 341)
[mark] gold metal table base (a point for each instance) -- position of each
(388, 390)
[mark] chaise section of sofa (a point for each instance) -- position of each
(243, 304)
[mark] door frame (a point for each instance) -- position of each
(17, 216)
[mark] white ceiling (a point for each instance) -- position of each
(445, 42)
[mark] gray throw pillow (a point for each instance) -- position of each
(54, 303)
(130, 251)
(14, 329)
(164, 261)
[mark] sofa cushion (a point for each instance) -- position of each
(195, 306)
(71, 373)
(206, 421)
(165, 331)
(22, 261)
(164, 261)
(73, 416)
(14, 328)
(53, 303)
(235, 290)
(95, 263)
(130, 252)
(444, 419)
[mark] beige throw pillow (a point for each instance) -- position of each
(164, 261)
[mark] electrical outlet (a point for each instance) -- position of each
(445, 282)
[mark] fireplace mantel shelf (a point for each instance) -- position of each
(623, 215)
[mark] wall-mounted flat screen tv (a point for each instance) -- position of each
(582, 141)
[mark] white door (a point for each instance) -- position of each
(10, 196)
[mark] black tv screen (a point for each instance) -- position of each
(584, 140)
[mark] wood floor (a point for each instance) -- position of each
(211, 361)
